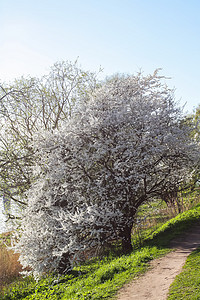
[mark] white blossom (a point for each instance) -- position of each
(125, 145)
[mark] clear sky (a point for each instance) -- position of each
(121, 36)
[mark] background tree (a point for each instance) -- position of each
(123, 147)
(29, 105)
(193, 121)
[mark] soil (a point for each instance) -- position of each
(154, 284)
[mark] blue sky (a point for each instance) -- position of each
(121, 36)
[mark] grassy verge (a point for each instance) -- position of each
(187, 284)
(97, 280)
(174, 227)
(102, 279)
(161, 235)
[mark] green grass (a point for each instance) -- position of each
(162, 233)
(187, 284)
(174, 227)
(97, 280)
(101, 279)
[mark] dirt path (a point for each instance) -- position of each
(154, 284)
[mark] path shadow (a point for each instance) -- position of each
(188, 241)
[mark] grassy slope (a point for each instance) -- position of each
(102, 279)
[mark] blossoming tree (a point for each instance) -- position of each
(123, 147)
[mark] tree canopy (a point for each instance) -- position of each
(123, 146)
(31, 104)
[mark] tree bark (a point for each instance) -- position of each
(126, 239)
(64, 265)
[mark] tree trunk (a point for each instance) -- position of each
(126, 239)
(64, 265)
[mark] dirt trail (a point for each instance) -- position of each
(154, 284)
